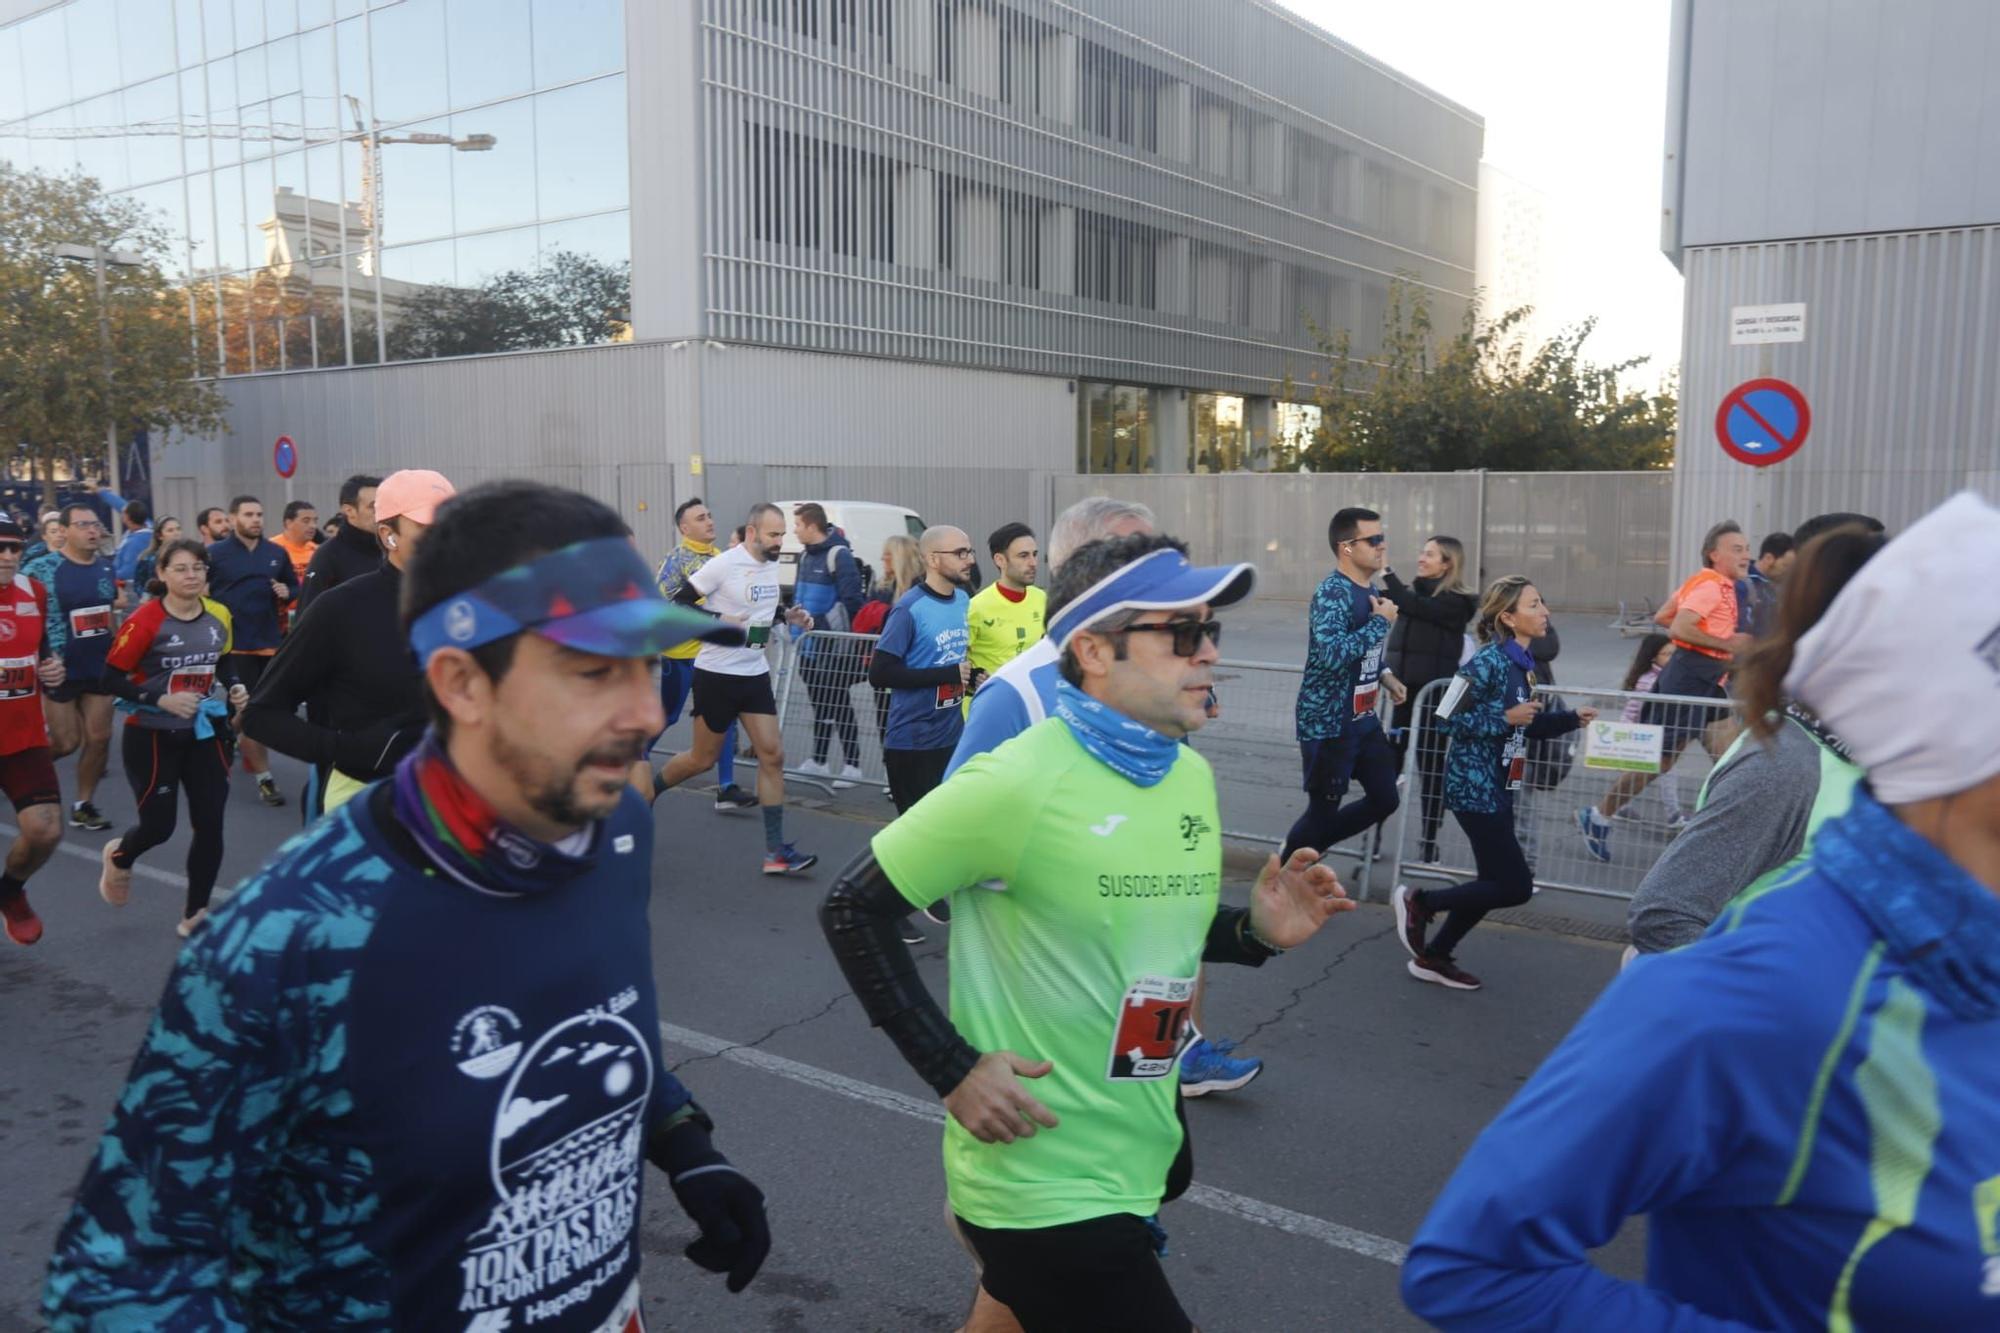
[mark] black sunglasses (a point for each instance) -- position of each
(11, 548)
(1188, 634)
(1376, 540)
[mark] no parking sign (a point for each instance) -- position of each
(1762, 422)
(285, 457)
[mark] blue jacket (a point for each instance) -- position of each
(1805, 1104)
(828, 577)
(1341, 634)
(126, 561)
(240, 578)
(1475, 777)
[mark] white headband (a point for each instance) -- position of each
(1907, 678)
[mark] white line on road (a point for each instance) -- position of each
(1236, 1205)
(96, 857)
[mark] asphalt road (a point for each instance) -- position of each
(1308, 1181)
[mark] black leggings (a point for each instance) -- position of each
(828, 685)
(1365, 757)
(1504, 879)
(158, 763)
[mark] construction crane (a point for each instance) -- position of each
(366, 132)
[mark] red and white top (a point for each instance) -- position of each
(22, 616)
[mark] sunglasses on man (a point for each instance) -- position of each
(11, 547)
(1375, 540)
(1188, 634)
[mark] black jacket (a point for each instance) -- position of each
(349, 663)
(348, 554)
(1429, 634)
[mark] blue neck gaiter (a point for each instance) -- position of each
(1130, 749)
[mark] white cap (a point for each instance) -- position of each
(1910, 681)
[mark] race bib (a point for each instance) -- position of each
(1367, 684)
(191, 680)
(89, 622)
(17, 677)
(1154, 1027)
(1515, 757)
(948, 696)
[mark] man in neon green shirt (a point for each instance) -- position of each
(1005, 617)
(1078, 930)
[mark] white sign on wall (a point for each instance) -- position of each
(1767, 323)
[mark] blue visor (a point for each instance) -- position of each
(1160, 581)
(595, 596)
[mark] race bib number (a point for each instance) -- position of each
(17, 677)
(191, 680)
(1154, 1027)
(948, 696)
(89, 622)
(1515, 758)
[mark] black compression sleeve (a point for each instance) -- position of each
(860, 918)
(886, 671)
(1229, 940)
(115, 682)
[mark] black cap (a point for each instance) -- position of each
(9, 528)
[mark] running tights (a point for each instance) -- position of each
(1504, 879)
(1327, 823)
(161, 764)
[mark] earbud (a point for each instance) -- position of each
(389, 541)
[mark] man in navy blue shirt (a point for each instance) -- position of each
(409, 1074)
(84, 602)
(253, 578)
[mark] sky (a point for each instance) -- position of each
(1574, 94)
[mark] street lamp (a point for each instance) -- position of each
(98, 257)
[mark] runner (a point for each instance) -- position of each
(51, 539)
(733, 684)
(1023, 692)
(1805, 1104)
(348, 663)
(1771, 792)
(83, 599)
(213, 524)
(1491, 714)
(831, 586)
(253, 578)
(168, 529)
(1084, 993)
(298, 539)
(1340, 737)
(405, 1076)
(1006, 618)
(163, 666)
(352, 550)
(920, 659)
(696, 548)
(27, 767)
(1706, 642)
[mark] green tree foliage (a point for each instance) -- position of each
(1476, 398)
(567, 300)
(55, 397)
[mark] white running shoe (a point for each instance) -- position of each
(850, 776)
(812, 768)
(114, 885)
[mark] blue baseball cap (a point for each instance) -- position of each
(595, 596)
(1161, 580)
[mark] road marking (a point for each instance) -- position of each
(1242, 1206)
(96, 858)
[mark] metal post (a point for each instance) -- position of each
(104, 342)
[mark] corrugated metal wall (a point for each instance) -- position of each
(1900, 364)
(1587, 539)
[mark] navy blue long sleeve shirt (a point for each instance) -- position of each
(240, 577)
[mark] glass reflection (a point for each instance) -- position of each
(145, 39)
(93, 47)
(415, 184)
(495, 188)
(100, 145)
(187, 32)
(580, 156)
(44, 61)
(575, 39)
(489, 50)
(407, 43)
(152, 120)
(13, 96)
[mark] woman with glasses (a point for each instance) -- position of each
(1491, 714)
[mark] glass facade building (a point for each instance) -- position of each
(347, 183)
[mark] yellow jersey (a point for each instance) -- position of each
(999, 629)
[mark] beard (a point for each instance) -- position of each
(572, 795)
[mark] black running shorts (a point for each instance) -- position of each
(720, 698)
(1101, 1275)
(249, 668)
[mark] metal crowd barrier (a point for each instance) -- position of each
(1564, 776)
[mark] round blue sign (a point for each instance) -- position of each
(285, 457)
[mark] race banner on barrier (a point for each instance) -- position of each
(1631, 747)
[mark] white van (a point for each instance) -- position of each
(866, 523)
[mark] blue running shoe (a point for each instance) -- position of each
(786, 860)
(1158, 1233)
(1207, 1067)
(1596, 830)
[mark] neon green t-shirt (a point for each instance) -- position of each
(1080, 903)
(997, 630)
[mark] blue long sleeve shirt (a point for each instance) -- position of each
(374, 1097)
(1805, 1103)
(1344, 641)
(240, 577)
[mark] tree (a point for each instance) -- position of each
(568, 300)
(55, 396)
(1476, 399)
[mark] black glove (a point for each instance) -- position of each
(719, 1199)
(372, 752)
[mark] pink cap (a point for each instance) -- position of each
(414, 493)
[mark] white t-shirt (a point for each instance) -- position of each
(735, 584)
